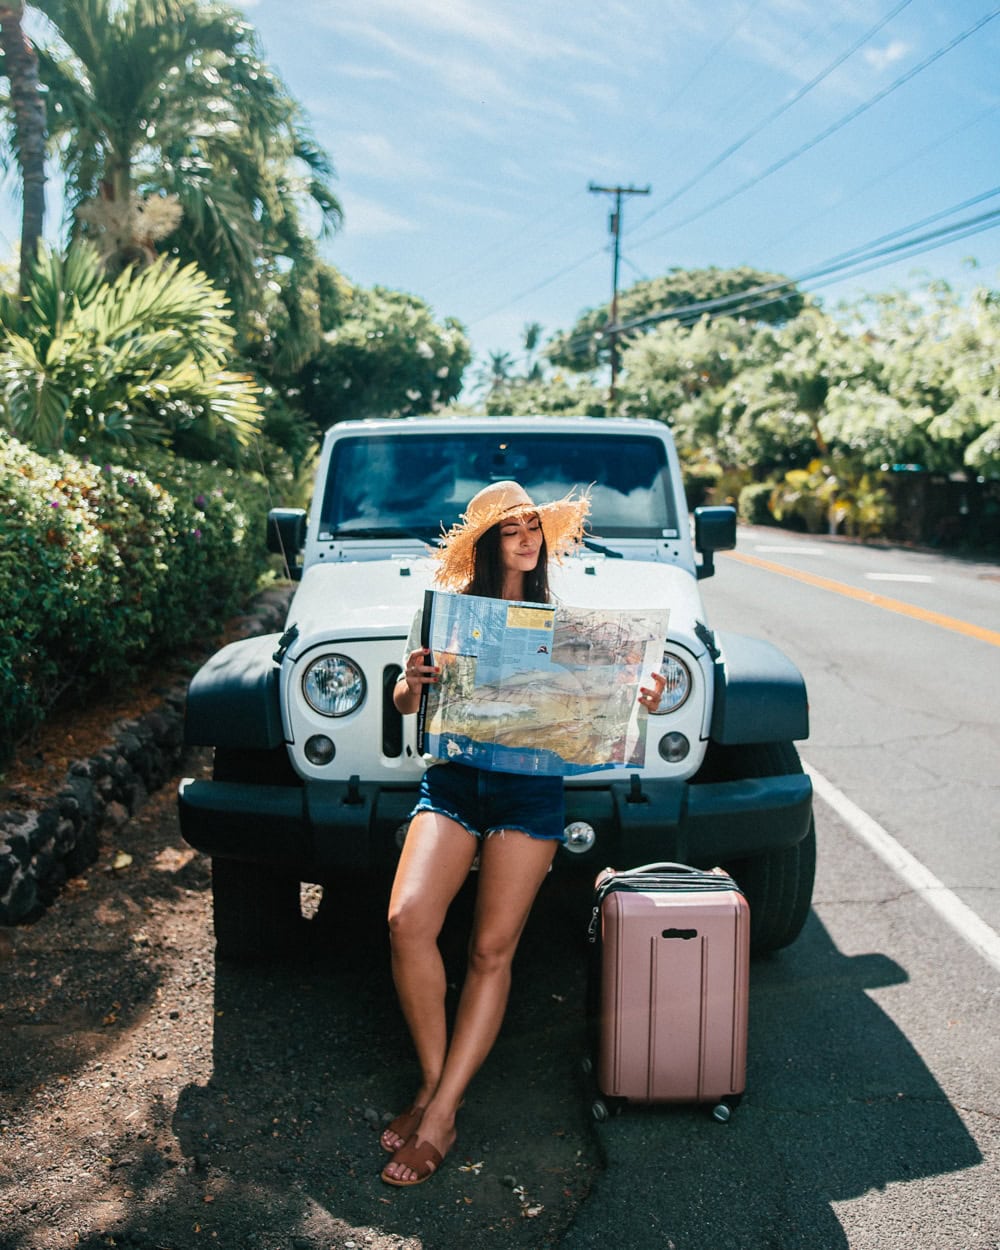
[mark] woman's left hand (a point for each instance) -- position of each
(650, 699)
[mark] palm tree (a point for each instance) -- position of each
(20, 66)
(170, 100)
(496, 371)
(142, 359)
(532, 337)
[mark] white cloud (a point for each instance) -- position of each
(366, 73)
(373, 155)
(882, 58)
(365, 219)
(475, 22)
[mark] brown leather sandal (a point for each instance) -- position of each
(420, 1157)
(404, 1126)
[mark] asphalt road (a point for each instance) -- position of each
(872, 1114)
(872, 1119)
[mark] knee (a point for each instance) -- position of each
(411, 925)
(490, 958)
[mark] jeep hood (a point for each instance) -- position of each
(378, 598)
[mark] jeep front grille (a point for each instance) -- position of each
(392, 722)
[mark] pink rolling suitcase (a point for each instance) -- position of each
(673, 986)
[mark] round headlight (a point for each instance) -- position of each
(333, 685)
(678, 685)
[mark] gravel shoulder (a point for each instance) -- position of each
(152, 1098)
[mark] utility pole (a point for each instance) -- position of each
(615, 225)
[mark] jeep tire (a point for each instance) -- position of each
(778, 885)
(256, 908)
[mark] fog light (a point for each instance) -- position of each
(580, 837)
(319, 749)
(674, 748)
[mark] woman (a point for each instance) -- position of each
(514, 823)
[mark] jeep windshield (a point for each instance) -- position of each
(409, 485)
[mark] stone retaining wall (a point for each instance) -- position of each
(41, 849)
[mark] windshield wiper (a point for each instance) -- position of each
(602, 550)
(424, 536)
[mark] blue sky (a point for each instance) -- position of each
(465, 134)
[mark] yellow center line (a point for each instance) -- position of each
(867, 596)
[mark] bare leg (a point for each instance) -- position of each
(435, 861)
(511, 868)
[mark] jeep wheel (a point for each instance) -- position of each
(256, 907)
(778, 885)
(256, 910)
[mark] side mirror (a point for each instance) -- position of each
(286, 536)
(714, 530)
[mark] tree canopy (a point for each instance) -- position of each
(175, 135)
(681, 295)
(382, 354)
(142, 359)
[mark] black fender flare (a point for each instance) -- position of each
(760, 696)
(233, 700)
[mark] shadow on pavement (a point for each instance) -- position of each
(838, 1103)
(312, 1057)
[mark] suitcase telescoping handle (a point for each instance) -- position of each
(649, 876)
(666, 867)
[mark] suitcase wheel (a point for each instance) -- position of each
(586, 1065)
(599, 1110)
(722, 1111)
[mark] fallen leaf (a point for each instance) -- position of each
(121, 861)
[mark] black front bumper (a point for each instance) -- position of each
(330, 825)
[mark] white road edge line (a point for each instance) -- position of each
(983, 939)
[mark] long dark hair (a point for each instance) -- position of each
(487, 580)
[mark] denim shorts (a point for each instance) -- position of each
(485, 803)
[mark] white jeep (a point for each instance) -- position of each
(315, 771)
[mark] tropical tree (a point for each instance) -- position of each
(681, 295)
(557, 395)
(496, 371)
(20, 67)
(175, 135)
(531, 338)
(142, 359)
(385, 355)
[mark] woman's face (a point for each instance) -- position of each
(520, 543)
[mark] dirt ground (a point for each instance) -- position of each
(152, 1098)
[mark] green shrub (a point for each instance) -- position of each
(105, 567)
(755, 504)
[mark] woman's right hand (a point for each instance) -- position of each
(419, 672)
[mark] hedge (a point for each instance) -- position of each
(755, 504)
(104, 568)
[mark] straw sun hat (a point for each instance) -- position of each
(562, 524)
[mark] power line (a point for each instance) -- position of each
(886, 172)
(514, 243)
(787, 159)
(775, 113)
(831, 269)
(539, 286)
(839, 124)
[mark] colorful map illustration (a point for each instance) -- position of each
(538, 688)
